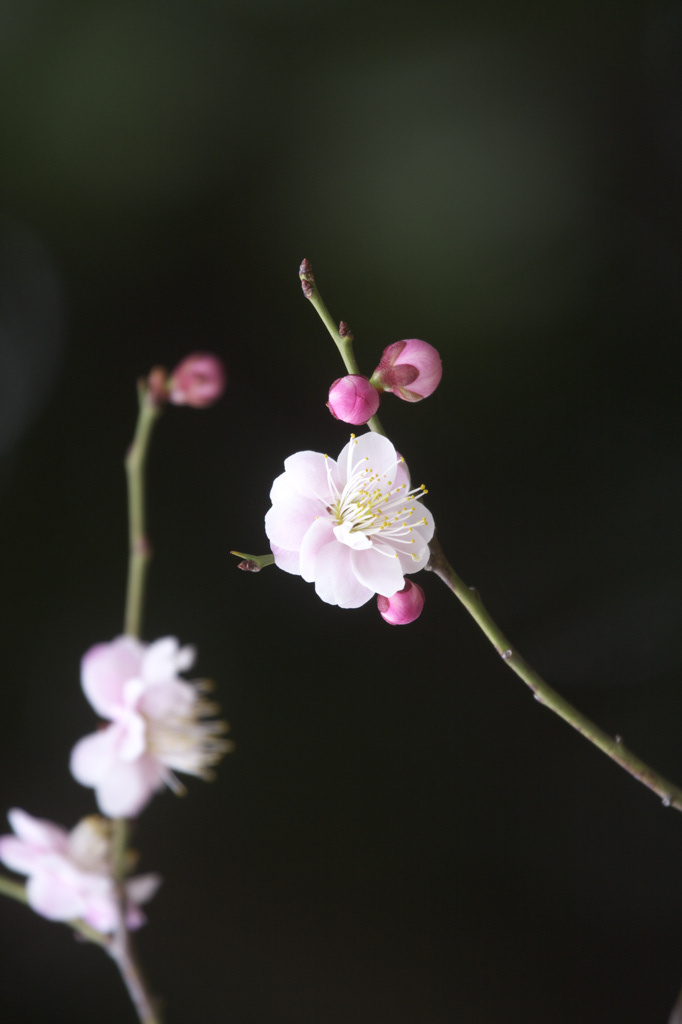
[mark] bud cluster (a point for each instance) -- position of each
(410, 369)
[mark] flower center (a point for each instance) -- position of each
(89, 844)
(373, 511)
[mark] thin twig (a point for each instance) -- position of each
(140, 550)
(670, 794)
(121, 952)
(121, 949)
(341, 336)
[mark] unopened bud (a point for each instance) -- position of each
(305, 272)
(411, 369)
(403, 607)
(199, 381)
(353, 399)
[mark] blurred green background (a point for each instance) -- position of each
(402, 836)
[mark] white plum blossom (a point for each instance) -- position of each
(70, 874)
(159, 723)
(352, 527)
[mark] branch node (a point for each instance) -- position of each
(248, 565)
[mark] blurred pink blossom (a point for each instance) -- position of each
(159, 723)
(411, 369)
(403, 607)
(70, 873)
(353, 399)
(352, 527)
(199, 380)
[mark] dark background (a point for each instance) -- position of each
(403, 835)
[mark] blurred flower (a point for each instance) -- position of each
(354, 528)
(403, 607)
(353, 399)
(158, 723)
(411, 369)
(199, 380)
(70, 873)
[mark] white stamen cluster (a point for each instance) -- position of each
(191, 742)
(374, 506)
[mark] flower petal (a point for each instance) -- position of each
(282, 487)
(319, 533)
(287, 522)
(106, 668)
(130, 737)
(335, 582)
(307, 472)
(53, 897)
(174, 698)
(289, 561)
(127, 790)
(95, 756)
(20, 856)
(101, 913)
(142, 887)
(163, 659)
(37, 831)
(374, 449)
(381, 573)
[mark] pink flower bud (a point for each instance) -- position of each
(411, 369)
(353, 399)
(403, 607)
(199, 380)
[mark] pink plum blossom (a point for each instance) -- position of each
(352, 527)
(353, 399)
(411, 369)
(70, 874)
(199, 380)
(403, 607)
(159, 723)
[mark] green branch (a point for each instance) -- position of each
(140, 550)
(341, 335)
(670, 794)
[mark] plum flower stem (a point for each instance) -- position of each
(118, 851)
(140, 551)
(343, 339)
(121, 949)
(15, 890)
(121, 952)
(670, 794)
